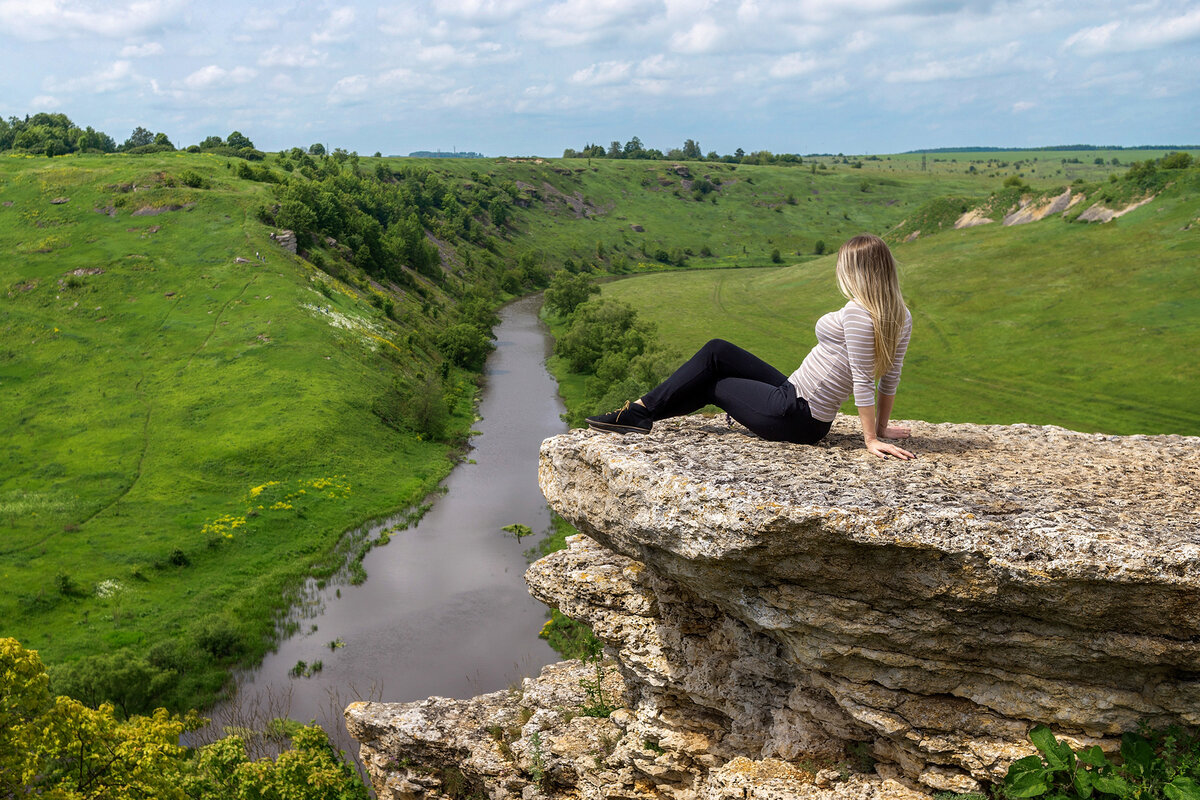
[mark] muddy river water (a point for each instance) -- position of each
(444, 610)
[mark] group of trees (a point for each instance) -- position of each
(634, 149)
(606, 341)
(56, 746)
(56, 135)
(52, 135)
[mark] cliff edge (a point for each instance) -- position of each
(769, 609)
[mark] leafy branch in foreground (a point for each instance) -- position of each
(1163, 764)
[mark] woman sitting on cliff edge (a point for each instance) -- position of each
(859, 344)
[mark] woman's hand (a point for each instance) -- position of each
(893, 432)
(884, 450)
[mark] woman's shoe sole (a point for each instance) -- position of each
(616, 427)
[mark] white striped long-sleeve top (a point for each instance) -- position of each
(844, 361)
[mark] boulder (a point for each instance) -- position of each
(791, 621)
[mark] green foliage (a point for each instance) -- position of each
(1177, 160)
(465, 345)
(518, 530)
(602, 327)
(597, 702)
(52, 135)
(1162, 764)
(124, 680)
(419, 406)
(566, 292)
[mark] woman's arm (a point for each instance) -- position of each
(870, 436)
(882, 429)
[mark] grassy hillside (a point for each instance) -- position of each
(188, 425)
(194, 416)
(1093, 327)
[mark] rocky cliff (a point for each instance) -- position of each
(790, 621)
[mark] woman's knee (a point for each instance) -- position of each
(717, 347)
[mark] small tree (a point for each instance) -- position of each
(238, 141)
(567, 291)
(316, 149)
(139, 138)
(776, 257)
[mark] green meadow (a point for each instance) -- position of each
(192, 415)
(1089, 326)
(187, 425)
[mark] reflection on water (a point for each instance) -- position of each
(444, 610)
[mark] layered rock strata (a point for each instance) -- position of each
(770, 608)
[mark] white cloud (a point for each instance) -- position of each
(861, 41)
(987, 63)
(114, 76)
(43, 20)
(212, 76)
(1022, 105)
(290, 55)
(351, 85)
(481, 12)
(1132, 35)
(44, 101)
(604, 73)
(337, 28)
(703, 37)
(793, 65)
(262, 19)
(400, 21)
(575, 22)
(141, 50)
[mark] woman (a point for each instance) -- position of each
(860, 343)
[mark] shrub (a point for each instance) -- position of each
(465, 345)
(567, 292)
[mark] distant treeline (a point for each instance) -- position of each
(443, 154)
(634, 149)
(56, 135)
(1051, 148)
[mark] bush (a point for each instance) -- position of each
(420, 407)
(1154, 765)
(819, 247)
(1179, 160)
(465, 345)
(567, 292)
(603, 327)
(192, 179)
(776, 257)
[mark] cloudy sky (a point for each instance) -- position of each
(535, 76)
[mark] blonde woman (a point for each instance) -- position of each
(860, 347)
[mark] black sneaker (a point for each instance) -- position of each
(629, 418)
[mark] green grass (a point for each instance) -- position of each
(1093, 327)
(149, 383)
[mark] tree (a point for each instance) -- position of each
(567, 292)
(139, 138)
(161, 140)
(211, 142)
(691, 150)
(1178, 160)
(316, 149)
(465, 345)
(614, 149)
(237, 141)
(601, 327)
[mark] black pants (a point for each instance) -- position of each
(749, 389)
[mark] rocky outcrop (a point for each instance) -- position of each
(1034, 211)
(1102, 213)
(780, 616)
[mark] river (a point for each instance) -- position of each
(444, 610)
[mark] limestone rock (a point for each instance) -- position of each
(936, 609)
(783, 621)
(285, 239)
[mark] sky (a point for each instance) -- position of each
(532, 77)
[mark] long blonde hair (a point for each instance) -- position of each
(866, 273)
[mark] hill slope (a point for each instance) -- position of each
(1092, 327)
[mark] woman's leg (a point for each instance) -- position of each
(772, 412)
(692, 386)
